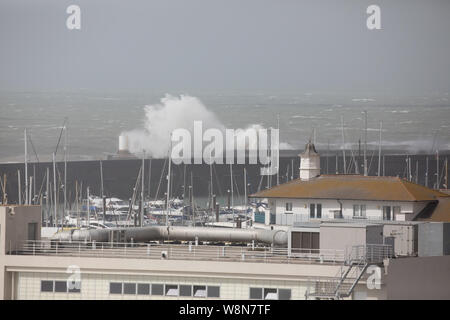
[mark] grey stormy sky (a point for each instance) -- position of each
(226, 44)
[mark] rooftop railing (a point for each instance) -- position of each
(170, 251)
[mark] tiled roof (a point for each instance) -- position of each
(355, 187)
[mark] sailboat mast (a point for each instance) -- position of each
(191, 196)
(88, 208)
(65, 171)
(231, 182)
(101, 179)
(365, 143)
(19, 187)
(47, 197)
(26, 168)
(379, 151)
(141, 214)
(343, 145)
(278, 169)
(54, 190)
(168, 182)
(328, 154)
(446, 173)
(417, 173)
(245, 189)
(337, 164)
(437, 170)
(211, 192)
(76, 202)
(149, 177)
(292, 169)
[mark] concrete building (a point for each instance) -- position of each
(322, 260)
(350, 197)
(35, 268)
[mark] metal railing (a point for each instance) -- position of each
(165, 251)
(372, 253)
(357, 261)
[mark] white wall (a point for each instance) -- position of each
(374, 209)
(96, 286)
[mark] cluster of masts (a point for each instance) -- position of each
(53, 188)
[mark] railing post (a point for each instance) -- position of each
(34, 248)
(148, 249)
(371, 254)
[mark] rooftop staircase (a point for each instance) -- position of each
(350, 273)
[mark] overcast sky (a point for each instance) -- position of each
(226, 45)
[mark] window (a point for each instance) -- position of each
(312, 210)
(213, 292)
(115, 288)
(171, 290)
(157, 289)
(315, 210)
(32, 231)
(288, 206)
(60, 286)
(200, 291)
(129, 288)
(304, 240)
(387, 213)
(256, 293)
(143, 288)
(46, 286)
(359, 211)
(284, 294)
(270, 294)
(185, 291)
(356, 212)
(396, 210)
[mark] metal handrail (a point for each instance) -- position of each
(188, 251)
(357, 261)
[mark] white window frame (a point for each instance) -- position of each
(288, 207)
(359, 211)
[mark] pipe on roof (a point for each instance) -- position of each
(155, 233)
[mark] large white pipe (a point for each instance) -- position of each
(154, 233)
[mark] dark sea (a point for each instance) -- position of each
(95, 119)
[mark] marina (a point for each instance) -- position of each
(224, 158)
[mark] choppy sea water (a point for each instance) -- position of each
(96, 119)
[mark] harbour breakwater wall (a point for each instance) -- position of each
(120, 175)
